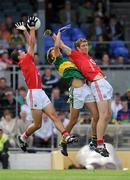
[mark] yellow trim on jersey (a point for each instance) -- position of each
(65, 65)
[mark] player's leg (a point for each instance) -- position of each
(103, 107)
(74, 113)
(35, 99)
(92, 107)
(76, 101)
(109, 116)
(102, 92)
(36, 124)
(50, 111)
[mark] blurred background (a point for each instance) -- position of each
(106, 25)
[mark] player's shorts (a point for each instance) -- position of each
(101, 90)
(79, 96)
(37, 99)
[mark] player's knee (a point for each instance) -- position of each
(37, 126)
(105, 116)
(95, 117)
(109, 116)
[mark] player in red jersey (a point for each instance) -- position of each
(101, 89)
(37, 100)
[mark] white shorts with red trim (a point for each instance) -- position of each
(37, 99)
(79, 96)
(101, 90)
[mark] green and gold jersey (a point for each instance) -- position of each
(67, 69)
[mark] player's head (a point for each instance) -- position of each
(82, 45)
(16, 55)
(51, 55)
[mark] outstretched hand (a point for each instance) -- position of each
(48, 32)
(20, 26)
(31, 22)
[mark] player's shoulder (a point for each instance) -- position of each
(74, 52)
(28, 57)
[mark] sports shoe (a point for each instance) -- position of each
(71, 139)
(67, 140)
(23, 145)
(93, 145)
(103, 151)
(63, 147)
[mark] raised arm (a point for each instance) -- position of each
(26, 34)
(20, 26)
(64, 47)
(32, 37)
(57, 45)
(31, 42)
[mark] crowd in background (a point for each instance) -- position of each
(89, 19)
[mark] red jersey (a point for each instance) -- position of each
(30, 72)
(85, 64)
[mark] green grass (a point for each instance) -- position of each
(64, 175)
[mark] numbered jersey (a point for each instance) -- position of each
(85, 64)
(30, 72)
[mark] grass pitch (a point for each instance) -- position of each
(64, 175)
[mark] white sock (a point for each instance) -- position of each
(100, 146)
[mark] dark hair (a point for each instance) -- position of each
(79, 41)
(124, 98)
(50, 57)
(3, 78)
(117, 94)
(22, 88)
(14, 56)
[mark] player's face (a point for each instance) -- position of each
(83, 47)
(21, 54)
(52, 52)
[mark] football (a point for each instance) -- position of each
(38, 24)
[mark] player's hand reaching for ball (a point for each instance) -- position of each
(48, 32)
(31, 22)
(20, 26)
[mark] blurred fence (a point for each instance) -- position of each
(117, 75)
(117, 135)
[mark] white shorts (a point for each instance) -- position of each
(79, 96)
(101, 90)
(37, 99)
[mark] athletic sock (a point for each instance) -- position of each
(100, 143)
(65, 134)
(94, 138)
(24, 136)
